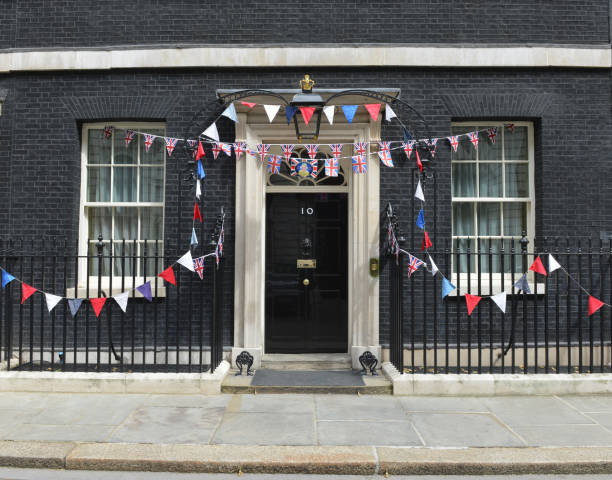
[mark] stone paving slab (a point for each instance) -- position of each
(265, 429)
(367, 433)
(536, 410)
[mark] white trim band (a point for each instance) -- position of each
(288, 56)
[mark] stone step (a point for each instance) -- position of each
(323, 362)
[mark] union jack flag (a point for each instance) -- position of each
(492, 133)
(216, 149)
(274, 163)
(414, 264)
(315, 168)
(336, 150)
(219, 249)
(408, 146)
(433, 143)
(510, 126)
(108, 131)
(251, 152)
(129, 136)
(287, 149)
(192, 145)
(239, 149)
(360, 148)
(262, 150)
(198, 266)
(294, 163)
(226, 148)
(149, 139)
(170, 144)
(331, 167)
(454, 142)
(312, 150)
(385, 153)
(474, 139)
(359, 164)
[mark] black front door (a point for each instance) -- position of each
(306, 273)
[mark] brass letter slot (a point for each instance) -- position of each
(306, 263)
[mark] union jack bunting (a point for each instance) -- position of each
(414, 264)
(359, 164)
(226, 148)
(274, 163)
(108, 131)
(385, 153)
(492, 133)
(331, 167)
(216, 149)
(510, 126)
(170, 144)
(251, 152)
(129, 136)
(239, 149)
(294, 163)
(262, 150)
(219, 249)
(474, 139)
(336, 150)
(454, 142)
(312, 150)
(198, 266)
(192, 145)
(408, 146)
(360, 148)
(315, 168)
(149, 139)
(287, 149)
(433, 142)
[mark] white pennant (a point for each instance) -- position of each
(211, 132)
(389, 113)
(552, 263)
(52, 301)
(500, 300)
(419, 192)
(186, 261)
(329, 113)
(271, 111)
(198, 189)
(434, 267)
(122, 300)
(230, 112)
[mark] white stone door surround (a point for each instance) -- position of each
(363, 238)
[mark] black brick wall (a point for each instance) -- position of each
(48, 23)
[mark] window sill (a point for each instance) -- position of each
(158, 289)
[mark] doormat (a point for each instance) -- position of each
(303, 378)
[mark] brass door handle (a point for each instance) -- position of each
(306, 282)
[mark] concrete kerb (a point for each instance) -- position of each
(80, 382)
(497, 384)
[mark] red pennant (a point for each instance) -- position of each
(307, 113)
(594, 305)
(426, 242)
(419, 164)
(373, 109)
(471, 302)
(97, 304)
(168, 275)
(248, 104)
(200, 152)
(538, 267)
(26, 292)
(196, 212)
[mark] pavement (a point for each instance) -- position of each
(307, 433)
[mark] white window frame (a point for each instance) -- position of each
(496, 277)
(157, 284)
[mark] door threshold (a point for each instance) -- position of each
(306, 361)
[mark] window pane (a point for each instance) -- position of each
(94, 264)
(463, 219)
(123, 262)
(486, 149)
(515, 144)
(121, 154)
(490, 260)
(98, 148)
(489, 219)
(98, 184)
(460, 256)
(99, 220)
(152, 224)
(517, 180)
(124, 184)
(464, 179)
(151, 184)
(465, 150)
(150, 259)
(515, 218)
(126, 223)
(490, 179)
(516, 258)
(156, 152)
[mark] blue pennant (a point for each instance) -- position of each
(349, 112)
(407, 135)
(74, 304)
(420, 221)
(522, 284)
(201, 173)
(290, 112)
(447, 287)
(194, 239)
(145, 290)
(6, 278)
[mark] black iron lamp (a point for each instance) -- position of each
(307, 99)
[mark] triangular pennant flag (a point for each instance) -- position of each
(500, 301)
(389, 113)
(594, 304)
(170, 145)
(552, 264)
(418, 159)
(194, 238)
(538, 267)
(407, 135)
(248, 104)
(329, 113)
(52, 301)
(122, 300)
(230, 112)
(145, 290)
(434, 267)
(168, 275)
(426, 243)
(74, 304)
(26, 291)
(349, 112)
(186, 261)
(420, 221)
(290, 112)
(471, 301)
(522, 284)
(97, 304)
(447, 287)
(419, 192)
(271, 111)
(212, 132)
(373, 109)
(6, 278)
(200, 153)
(201, 172)
(216, 149)
(196, 212)
(307, 113)
(198, 189)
